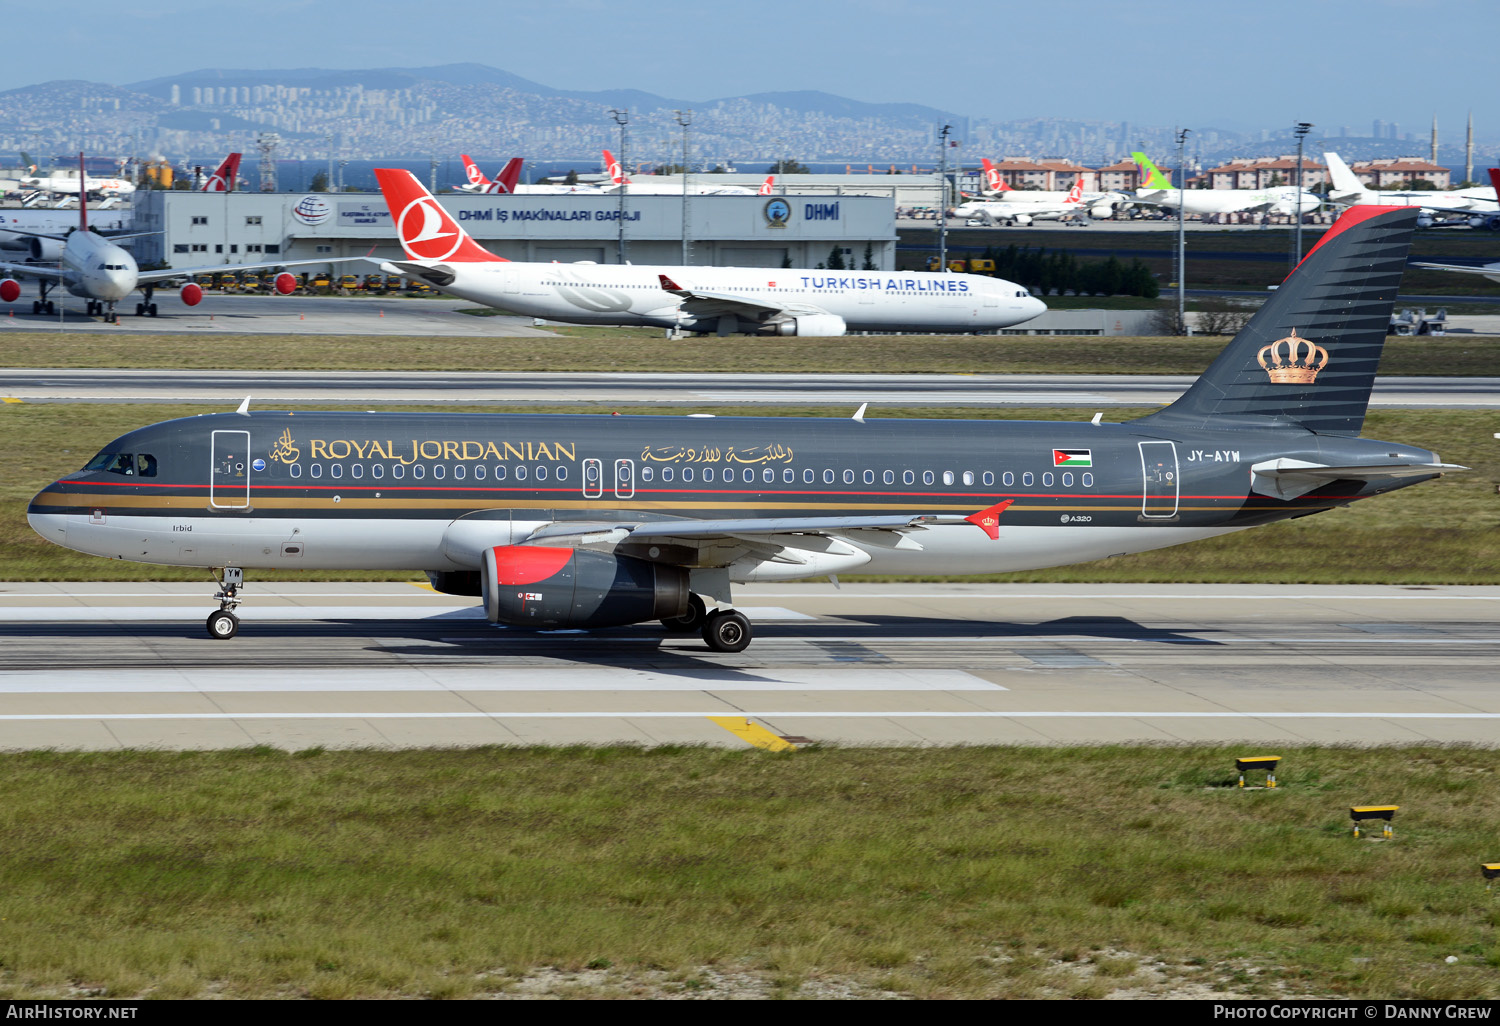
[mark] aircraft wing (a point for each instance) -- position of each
(700, 303)
(1490, 271)
(185, 272)
(39, 235)
(33, 271)
(768, 535)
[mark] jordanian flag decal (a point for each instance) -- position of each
(1072, 457)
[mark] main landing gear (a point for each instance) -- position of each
(222, 623)
(147, 308)
(43, 305)
(723, 630)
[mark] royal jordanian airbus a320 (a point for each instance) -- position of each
(596, 521)
(726, 300)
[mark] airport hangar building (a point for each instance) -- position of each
(196, 229)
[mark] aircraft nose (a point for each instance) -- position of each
(51, 525)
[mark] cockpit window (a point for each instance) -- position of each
(130, 464)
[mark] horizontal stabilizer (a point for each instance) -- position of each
(1290, 478)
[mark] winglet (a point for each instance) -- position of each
(988, 520)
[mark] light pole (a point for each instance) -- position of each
(1181, 231)
(342, 164)
(622, 118)
(685, 118)
(1301, 131)
(943, 197)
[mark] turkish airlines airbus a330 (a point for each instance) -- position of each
(725, 300)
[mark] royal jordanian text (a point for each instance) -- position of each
(437, 449)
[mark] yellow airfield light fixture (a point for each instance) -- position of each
(1258, 762)
(1365, 813)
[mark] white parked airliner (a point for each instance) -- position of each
(724, 300)
(94, 267)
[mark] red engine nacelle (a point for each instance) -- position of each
(192, 294)
(10, 290)
(286, 283)
(539, 586)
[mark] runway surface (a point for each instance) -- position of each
(102, 666)
(221, 314)
(389, 387)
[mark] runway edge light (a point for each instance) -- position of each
(1361, 813)
(1258, 762)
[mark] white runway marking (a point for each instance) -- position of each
(822, 714)
(458, 679)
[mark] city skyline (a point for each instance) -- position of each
(1170, 63)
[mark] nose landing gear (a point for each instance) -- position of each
(222, 624)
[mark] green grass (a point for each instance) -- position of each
(1441, 532)
(641, 350)
(957, 872)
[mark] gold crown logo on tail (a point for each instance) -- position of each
(1293, 360)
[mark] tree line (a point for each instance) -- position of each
(1059, 271)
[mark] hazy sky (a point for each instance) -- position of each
(1164, 62)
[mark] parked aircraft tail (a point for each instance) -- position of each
(505, 182)
(611, 165)
(1075, 194)
(471, 171)
(1151, 176)
(1344, 180)
(426, 230)
(1307, 358)
(992, 180)
(83, 196)
(223, 179)
(767, 185)
(1495, 180)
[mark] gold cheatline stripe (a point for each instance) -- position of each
(197, 503)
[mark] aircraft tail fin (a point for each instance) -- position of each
(1343, 179)
(1075, 194)
(505, 182)
(426, 230)
(767, 185)
(612, 166)
(223, 178)
(992, 179)
(1307, 358)
(83, 196)
(1495, 180)
(472, 172)
(1151, 176)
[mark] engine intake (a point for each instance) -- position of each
(541, 586)
(46, 250)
